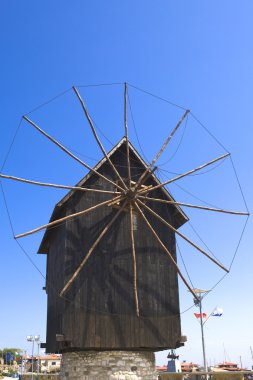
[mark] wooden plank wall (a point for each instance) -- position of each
(100, 313)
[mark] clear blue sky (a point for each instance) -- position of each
(196, 54)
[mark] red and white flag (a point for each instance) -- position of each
(198, 315)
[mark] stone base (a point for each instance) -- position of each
(108, 365)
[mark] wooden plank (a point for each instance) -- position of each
(70, 154)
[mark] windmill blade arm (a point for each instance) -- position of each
(185, 174)
(134, 262)
(45, 184)
(161, 150)
(166, 250)
(74, 276)
(97, 138)
(56, 222)
(193, 206)
(69, 153)
(126, 135)
(182, 236)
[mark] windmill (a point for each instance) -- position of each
(112, 272)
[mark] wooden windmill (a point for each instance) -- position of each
(112, 273)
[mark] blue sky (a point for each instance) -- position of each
(196, 54)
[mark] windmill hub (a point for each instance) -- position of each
(131, 195)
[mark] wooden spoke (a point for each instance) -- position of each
(55, 222)
(97, 138)
(126, 134)
(71, 154)
(161, 150)
(183, 236)
(91, 250)
(167, 251)
(134, 262)
(28, 181)
(193, 206)
(185, 174)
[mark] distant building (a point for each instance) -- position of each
(228, 366)
(189, 367)
(162, 368)
(47, 364)
(50, 363)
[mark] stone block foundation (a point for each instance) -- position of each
(108, 365)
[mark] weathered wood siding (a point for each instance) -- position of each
(98, 311)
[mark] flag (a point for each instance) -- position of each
(217, 312)
(198, 315)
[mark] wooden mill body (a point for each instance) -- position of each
(98, 310)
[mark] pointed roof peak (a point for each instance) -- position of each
(181, 216)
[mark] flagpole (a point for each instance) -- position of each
(200, 293)
(202, 335)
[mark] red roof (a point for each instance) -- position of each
(161, 368)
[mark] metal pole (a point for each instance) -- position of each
(202, 335)
(38, 361)
(32, 356)
(22, 358)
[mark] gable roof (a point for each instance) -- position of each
(181, 216)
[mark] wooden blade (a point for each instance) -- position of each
(28, 181)
(194, 206)
(97, 138)
(74, 276)
(126, 134)
(55, 222)
(167, 251)
(185, 174)
(161, 150)
(70, 154)
(182, 236)
(134, 262)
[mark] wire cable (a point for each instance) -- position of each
(99, 85)
(239, 242)
(239, 184)
(135, 129)
(185, 267)
(179, 144)
(233, 258)
(200, 173)
(11, 144)
(157, 97)
(208, 131)
(12, 229)
(48, 101)
(203, 242)
(186, 191)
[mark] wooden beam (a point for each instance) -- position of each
(97, 138)
(182, 236)
(55, 222)
(185, 174)
(28, 181)
(193, 206)
(134, 262)
(161, 150)
(91, 250)
(126, 135)
(70, 154)
(166, 250)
